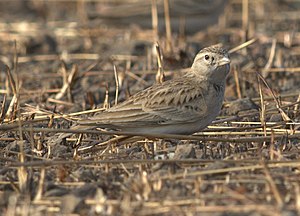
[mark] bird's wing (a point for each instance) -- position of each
(175, 101)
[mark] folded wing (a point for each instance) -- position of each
(175, 102)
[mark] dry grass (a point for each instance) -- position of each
(65, 60)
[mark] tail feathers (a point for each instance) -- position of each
(59, 137)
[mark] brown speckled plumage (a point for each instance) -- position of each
(180, 106)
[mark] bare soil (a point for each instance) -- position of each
(65, 60)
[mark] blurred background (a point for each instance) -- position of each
(59, 58)
(125, 32)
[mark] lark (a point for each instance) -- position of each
(183, 105)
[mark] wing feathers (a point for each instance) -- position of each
(179, 101)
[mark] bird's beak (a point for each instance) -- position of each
(224, 61)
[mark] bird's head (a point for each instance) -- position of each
(213, 63)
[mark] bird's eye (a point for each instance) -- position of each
(206, 57)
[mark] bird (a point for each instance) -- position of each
(183, 105)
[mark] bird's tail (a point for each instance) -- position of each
(59, 137)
